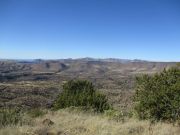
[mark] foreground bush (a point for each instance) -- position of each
(81, 93)
(158, 96)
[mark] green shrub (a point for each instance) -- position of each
(81, 93)
(178, 64)
(157, 96)
(116, 115)
(37, 112)
(10, 117)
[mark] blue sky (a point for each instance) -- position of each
(53, 29)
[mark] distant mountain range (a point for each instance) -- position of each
(77, 59)
(82, 67)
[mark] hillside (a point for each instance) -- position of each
(71, 68)
(29, 84)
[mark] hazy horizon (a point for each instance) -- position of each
(78, 58)
(53, 29)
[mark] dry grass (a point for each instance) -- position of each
(78, 123)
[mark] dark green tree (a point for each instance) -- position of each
(157, 96)
(81, 93)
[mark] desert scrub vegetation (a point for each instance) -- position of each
(157, 96)
(68, 122)
(81, 93)
(17, 116)
(36, 112)
(115, 115)
(10, 117)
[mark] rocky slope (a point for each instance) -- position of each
(36, 83)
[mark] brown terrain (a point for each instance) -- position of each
(36, 83)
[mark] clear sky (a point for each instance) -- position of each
(54, 29)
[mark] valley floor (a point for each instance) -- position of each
(67, 122)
